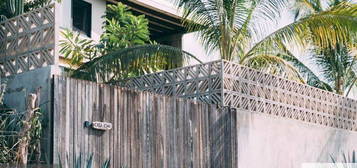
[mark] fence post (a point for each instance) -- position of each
(31, 107)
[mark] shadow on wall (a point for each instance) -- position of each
(338, 138)
(333, 146)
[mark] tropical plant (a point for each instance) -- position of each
(11, 8)
(77, 48)
(132, 61)
(34, 4)
(336, 60)
(122, 29)
(348, 161)
(15, 7)
(77, 163)
(338, 65)
(11, 124)
(125, 49)
(237, 29)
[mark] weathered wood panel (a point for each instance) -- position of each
(148, 130)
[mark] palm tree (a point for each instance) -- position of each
(235, 28)
(336, 60)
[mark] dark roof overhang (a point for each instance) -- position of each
(161, 23)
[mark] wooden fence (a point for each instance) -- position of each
(149, 130)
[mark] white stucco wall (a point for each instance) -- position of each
(98, 10)
(63, 21)
(271, 142)
(167, 6)
(64, 16)
(192, 44)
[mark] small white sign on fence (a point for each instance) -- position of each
(101, 125)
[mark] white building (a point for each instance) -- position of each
(29, 43)
(165, 23)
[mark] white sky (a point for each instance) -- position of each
(286, 18)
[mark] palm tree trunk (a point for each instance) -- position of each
(339, 86)
(350, 88)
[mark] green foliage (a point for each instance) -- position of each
(228, 25)
(123, 52)
(11, 122)
(34, 4)
(15, 7)
(77, 163)
(12, 8)
(132, 61)
(77, 49)
(4, 13)
(237, 29)
(348, 161)
(335, 58)
(123, 29)
(337, 66)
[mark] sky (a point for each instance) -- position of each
(286, 18)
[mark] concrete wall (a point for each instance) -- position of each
(271, 142)
(20, 85)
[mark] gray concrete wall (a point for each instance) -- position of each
(20, 85)
(266, 141)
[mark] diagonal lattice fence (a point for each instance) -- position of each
(229, 84)
(27, 41)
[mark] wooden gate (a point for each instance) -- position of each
(148, 130)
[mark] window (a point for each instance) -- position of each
(82, 16)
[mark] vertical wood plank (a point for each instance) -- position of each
(148, 130)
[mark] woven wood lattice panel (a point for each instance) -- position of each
(27, 41)
(229, 84)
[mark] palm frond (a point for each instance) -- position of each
(132, 61)
(348, 161)
(309, 76)
(276, 65)
(76, 48)
(324, 28)
(220, 22)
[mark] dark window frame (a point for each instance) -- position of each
(82, 16)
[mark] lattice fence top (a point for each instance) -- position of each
(27, 41)
(229, 84)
